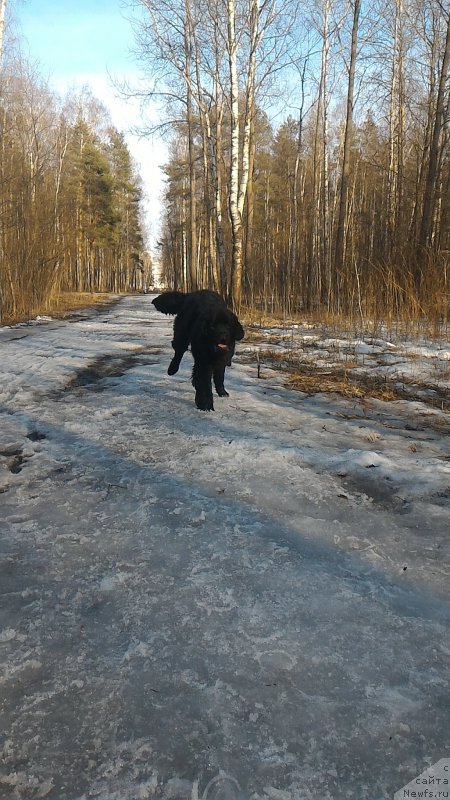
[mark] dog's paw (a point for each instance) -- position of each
(222, 392)
(173, 368)
(205, 406)
(204, 403)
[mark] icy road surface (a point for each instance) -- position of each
(251, 603)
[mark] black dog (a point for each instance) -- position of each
(204, 322)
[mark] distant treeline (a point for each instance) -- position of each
(343, 206)
(69, 197)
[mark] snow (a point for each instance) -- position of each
(423, 363)
(251, 603)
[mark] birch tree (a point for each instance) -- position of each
(396, 132)
(257, 18)
(431, 191)
(348, 138)
(165, 45)
(235, 213)
(2, 26)
(319, 266)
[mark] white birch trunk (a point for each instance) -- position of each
(2, 26)
(348, 131)
(236, 218)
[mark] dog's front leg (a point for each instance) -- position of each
(180, 344)
(176, 361)
(219, 377)
(201, 381)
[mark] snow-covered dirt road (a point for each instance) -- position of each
(251, 603)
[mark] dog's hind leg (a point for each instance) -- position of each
(201, 381)
(219, 376)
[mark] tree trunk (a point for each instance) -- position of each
(2, 26)
(293, 249)
(236, 219)
(429, 200)
(193, 259)
(396, 137)
(319, 261)
(348, 135)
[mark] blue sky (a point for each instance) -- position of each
(86, 42)
(77, 36)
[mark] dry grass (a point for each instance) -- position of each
(443, 373)
(63, 305)
(340, 382)
(335, 370)
(70, 301)
(416, 326)
(263, 319)
(311, 378)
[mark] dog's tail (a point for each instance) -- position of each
(169, 302)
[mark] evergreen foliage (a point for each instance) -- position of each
(70, 198)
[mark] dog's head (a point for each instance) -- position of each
(224, 330)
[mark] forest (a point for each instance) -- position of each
(309, 162)
(309, 166)
(70, 196)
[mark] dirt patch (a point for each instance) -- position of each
(94, 375)
(13, 459)
(36, 436)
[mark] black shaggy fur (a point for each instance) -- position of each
(204, 322)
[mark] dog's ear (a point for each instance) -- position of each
(238, 330)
